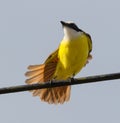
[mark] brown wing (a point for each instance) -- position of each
(43, 72)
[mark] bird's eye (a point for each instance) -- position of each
(72, 24)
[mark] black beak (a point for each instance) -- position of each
(63, 23)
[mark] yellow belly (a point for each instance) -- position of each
(72, 57)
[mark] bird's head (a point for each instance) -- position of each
(70, 30)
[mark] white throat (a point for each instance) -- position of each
(70, 34)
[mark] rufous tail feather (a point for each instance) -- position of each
(44, 73)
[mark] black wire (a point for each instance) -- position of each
(83, 80)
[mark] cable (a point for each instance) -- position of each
(82, 80)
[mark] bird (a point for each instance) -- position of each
(72, 54)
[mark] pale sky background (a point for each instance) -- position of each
(30, 30)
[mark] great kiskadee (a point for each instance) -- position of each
(70, 57)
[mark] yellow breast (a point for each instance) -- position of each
(72, 57)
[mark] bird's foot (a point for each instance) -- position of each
(70, 79)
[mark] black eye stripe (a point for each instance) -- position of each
(73, 26)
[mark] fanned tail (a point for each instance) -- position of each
(44, 73)
(55, 95)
